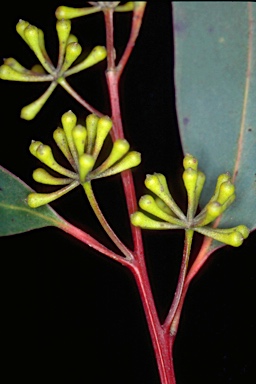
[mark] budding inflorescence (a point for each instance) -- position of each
(69, 51)
(162, 206)
(81, 145)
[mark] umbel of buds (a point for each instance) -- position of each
(162, 206)
(81, 145)
(69, 51)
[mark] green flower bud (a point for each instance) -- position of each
(235, 239)
(34, 147)
(190, 162)
(63, 28)
(214, 209)
(61, 140)
(211, 211)
(42, 176)
(63, 12)
(97, 54)
(119, 149)
(243, 230)
(161, 204)
(69, 120)
(138, 219)
(103, 127)
(86, 163)
(37, 68)
(36, 200)
(231, 236)
(73, 50)
(157, 184)
(44, 154)
(240, 228)
(30, 111)
(148, 204)
(9, 73)
(42, 48)
(14, 64)
(34, 40)
(72, 39)
(226, 190)
(20, 28)
(190, 182)
(79, 134)
(199, 186)
(221, 179)
(131, 160)
(91, 126)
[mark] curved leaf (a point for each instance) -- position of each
(15, 215)
(215, 80)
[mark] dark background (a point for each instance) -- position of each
(71, 315)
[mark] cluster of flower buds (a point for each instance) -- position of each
(64, 12)
(81, 146)
(69, 51)
(162, 206)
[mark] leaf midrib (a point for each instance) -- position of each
(246, 92)
(31, 212)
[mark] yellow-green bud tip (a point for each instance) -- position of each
(243, 230)
(214, 209)
(235, 239)
(36, 200)
(68, 120)
(190, 162)
(227, 189)
(137, 219)
(34, 146)
(104, 124)
(86, 163)
(99, 53)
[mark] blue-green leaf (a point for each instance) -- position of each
(215, 81)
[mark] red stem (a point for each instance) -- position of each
(89, 240)
(112, 77)
(160, 338)
(136, 24)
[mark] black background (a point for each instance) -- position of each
(71, 315)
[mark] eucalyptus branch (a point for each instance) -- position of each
(81, 146)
